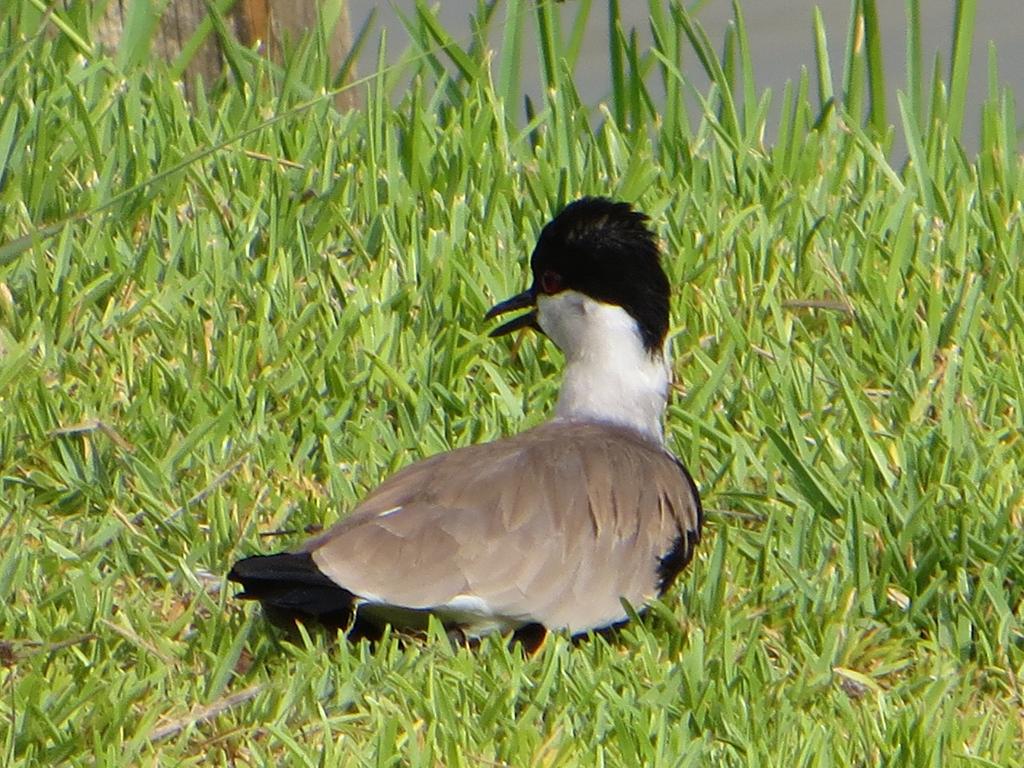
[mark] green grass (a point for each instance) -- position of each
(230, 321)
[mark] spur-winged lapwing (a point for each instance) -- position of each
(560, 527)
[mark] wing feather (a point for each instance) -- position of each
(556, 525)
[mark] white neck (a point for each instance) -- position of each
(609, 375)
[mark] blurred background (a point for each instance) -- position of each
(781, 39)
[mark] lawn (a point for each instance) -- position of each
(222, 322)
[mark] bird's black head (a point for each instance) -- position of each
(603, 250)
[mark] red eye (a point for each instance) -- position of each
(550, 282)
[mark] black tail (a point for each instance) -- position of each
(289, 585)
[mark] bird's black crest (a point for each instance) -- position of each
(605, 250)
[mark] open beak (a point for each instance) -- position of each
(523, 300)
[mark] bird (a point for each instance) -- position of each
(571, 526)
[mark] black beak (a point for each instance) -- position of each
(525, 299)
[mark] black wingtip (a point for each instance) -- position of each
(290, 585)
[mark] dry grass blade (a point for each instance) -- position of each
(216, 483)
(205, 714)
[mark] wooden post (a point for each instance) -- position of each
(268, 23)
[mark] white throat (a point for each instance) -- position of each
(609, 375)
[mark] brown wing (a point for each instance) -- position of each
(556, 525)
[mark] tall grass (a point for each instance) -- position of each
(222, 322)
